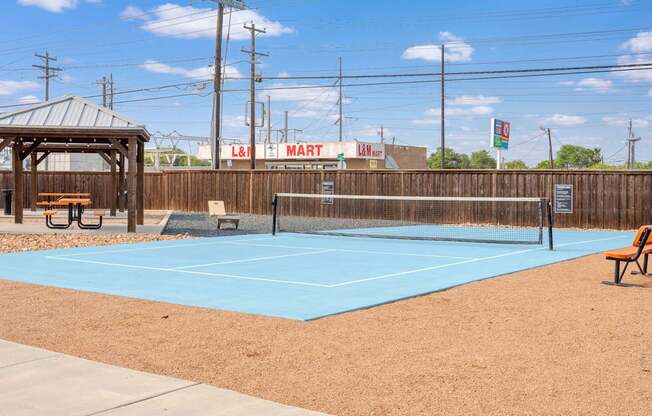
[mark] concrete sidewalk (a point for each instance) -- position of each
(39, 382)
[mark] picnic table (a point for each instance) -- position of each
(75, 203)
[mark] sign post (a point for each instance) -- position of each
(499, 136)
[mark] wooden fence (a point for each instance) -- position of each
(603, 199)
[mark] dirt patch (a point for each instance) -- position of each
(549, 341)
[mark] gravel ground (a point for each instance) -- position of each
(30, 242)
(201, 225)
(547, 341)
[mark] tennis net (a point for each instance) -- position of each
(465, 219)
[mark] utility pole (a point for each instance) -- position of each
(253, 55)
(341, 102)
(269, 119)
(216, 125)
(550, 158)
(631, 148)
(111, 91)
(49, 72)
(107, 91)
(285, 129)
(443, 122)
(382, 134)
(103, 83)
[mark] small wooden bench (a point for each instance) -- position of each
(642, 246)
(216, 209)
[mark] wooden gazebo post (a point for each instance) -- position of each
(121, 181)
(33, 176)
(140, 184)
(132, 185)
(114, 184)
(18, 180)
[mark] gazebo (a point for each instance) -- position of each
(72, 124)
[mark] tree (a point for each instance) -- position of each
(482, 160)
(644, 165)
(453, 160)
(605, 166)
(578, 157)
(544, 164)
(515, 164)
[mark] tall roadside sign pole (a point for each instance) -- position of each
(216, 125)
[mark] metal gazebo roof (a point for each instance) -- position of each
(68, 111)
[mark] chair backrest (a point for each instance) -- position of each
(216, 208)
(642, 238)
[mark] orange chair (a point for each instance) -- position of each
(642, 246)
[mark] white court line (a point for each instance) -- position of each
(160, 269)
(128, 250)
(291, 282)
(255, 259)
(346, 250)
(442, 266)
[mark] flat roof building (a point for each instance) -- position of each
(321, 155)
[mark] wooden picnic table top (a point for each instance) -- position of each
(64, 194)
(65, 202)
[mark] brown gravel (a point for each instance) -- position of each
(550, 341)
(30, 242)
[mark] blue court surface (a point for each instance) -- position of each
(292, 276)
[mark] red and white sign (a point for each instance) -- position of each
(299, 151)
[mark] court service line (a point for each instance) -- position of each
(346, 250)
(128, 250)
(161, 269)
(308, 253)
(442, 266)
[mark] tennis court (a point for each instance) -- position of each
(289, 275)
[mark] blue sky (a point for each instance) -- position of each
(147, 44)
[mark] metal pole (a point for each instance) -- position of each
(341, 103)
(217, 88)
(269, 119)
(285, 130)
(443, 122)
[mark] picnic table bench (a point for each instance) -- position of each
(76, 203)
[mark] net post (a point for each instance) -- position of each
(550, 224)
(541, 219)
(274, 213)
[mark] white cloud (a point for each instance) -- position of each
(623, 121)
(594, 84)
(133, 13)
(597, 84)
(373, 131)
(456, 50)
(564, 120)
(639, 44)
(55, 6)
(11, 87)
(317, 98)
(478, 110)
(426, 122)
(188, 22)
(204, 73)
(28, 99)
(474, 100)
(636, 75)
